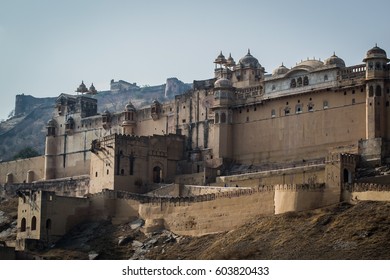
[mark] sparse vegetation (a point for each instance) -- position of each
(27, 152)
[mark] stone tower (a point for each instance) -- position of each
(130, 123)
(50, 150)
(376, 70)
(223, 116)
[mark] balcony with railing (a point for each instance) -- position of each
(356, 71)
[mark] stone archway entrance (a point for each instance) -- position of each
(347, 176)
(157, 174)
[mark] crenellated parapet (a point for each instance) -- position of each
(364, 187)
(234, 192)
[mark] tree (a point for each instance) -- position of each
(27, 152)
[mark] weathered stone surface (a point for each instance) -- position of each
(123, 240)
(137, 224)
(137, 243)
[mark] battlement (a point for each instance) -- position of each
(364, 187)
(230, 193)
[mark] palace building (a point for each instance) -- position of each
(313, 123)
(242, 119)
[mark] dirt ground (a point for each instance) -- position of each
(342, 231)
(338, 232)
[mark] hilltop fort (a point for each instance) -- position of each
(240, 144)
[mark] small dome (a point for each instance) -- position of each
(82, 88)
(222, 83)
(281, 70)
(106, 112)
(249, 61)
(375, 52)
(310, 63)
(51, 123)
(220, 59)
(155, 102)
(230, 61)
(335, 60)
(129, 107)
(92, 89)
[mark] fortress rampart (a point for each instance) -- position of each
(209, 213)
(356, 192)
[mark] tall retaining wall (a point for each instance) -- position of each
(303, 197)
(222, 211)
(207, 213)
(197, 215)
(217, 211)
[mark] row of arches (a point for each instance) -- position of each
(378, 91)
(222, 119)
(378, 66)
(9, 179)
(23, 224)
(299, 82)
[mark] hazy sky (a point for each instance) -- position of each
(47, 47)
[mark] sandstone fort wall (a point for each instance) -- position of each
(22, 170)
(353, 193)
(260, 137)
(292, 175)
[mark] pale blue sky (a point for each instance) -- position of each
(48, 47)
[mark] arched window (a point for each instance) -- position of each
(299, 82)
(347, 176)
(23, 225)
(371, 91)
(223, 118)
(33, 223)
(298, 109)
(305, 81)
(273, 113)
(157, 174)
(325, 104)
(378, 91)
(216, 118)
(293, 83)
(51, 131)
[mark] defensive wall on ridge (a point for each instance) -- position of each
(219, 211)
(356, 192)
(199, 210)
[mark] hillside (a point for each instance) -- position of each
(341, 231)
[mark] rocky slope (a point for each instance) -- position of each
(341, 231)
